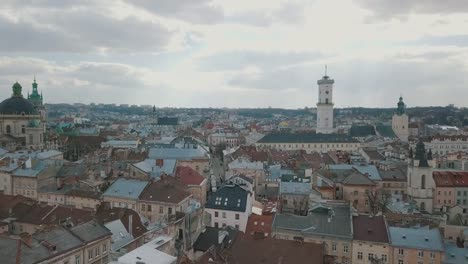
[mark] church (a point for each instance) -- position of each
(22, 120)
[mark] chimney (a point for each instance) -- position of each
(130, 225)
(18, 251)
(159, 162)
(49, 246)
(26, 238)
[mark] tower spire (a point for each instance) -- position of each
(326, 70)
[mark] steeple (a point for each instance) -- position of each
(17, 90)
(34, 97)
(401, 106)
(421, 154)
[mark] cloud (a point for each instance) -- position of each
(383, 9)
(237, 60)
(449, 40)
(369, 83)
(81, 31)
(193, 11)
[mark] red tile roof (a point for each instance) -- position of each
(188, 176)
(259, 225)
(450, 178)
(250, 251)
(167, 190)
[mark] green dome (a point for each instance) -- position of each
(34, 123)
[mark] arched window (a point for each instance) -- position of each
(423, 182)
(8, 129)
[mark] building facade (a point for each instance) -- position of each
(325, 106)
(400, 121)
(229, 206)
(420, 182)
(309, 142)
(22, 121)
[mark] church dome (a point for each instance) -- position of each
(16, 105)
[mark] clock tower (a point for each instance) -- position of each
(325, 105)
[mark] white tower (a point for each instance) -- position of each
(400, 121)
(420, 183)
(325, 105)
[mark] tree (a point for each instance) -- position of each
(378, 201)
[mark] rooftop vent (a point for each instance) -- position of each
(404, 236)
(426, 239)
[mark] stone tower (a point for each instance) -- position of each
(400, 121)
(325, 105)
(420, 183)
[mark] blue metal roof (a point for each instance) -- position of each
(455, 255)
(364, 169)
(176, 153)
(149, 166)
(299, 188)
(424, 239)
(124, 188)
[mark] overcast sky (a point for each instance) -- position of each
(242, 53)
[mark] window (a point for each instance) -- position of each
(423, 182)
(77, 259)
(401, 252)
(143, 207)
(237, 216)
(384, 258)
(359, 255)
(104, 248)
(334, 247)
(161, 209)
(224, 225)
(400, 261)
(370, 256)
(345, 249)
(224, 214)
(169, 210)
(90, 254)
(97, 251)
(216, 214)
(356, 193)
(23, 129)
(8, 129)
(366, 202)
(237, 227)
(149, 207)
(432, 255)
(216, 224)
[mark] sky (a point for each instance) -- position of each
(242, 53)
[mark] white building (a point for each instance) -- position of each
(325, 106)
(229, 139)
(420, 183)
(400, 122)
(309, 142)
(149, 253)
(447, 144)
(229, 206)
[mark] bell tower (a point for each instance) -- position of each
(325, 105)
(400, 121)
(420, 183)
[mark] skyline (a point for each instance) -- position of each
(251, 54)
